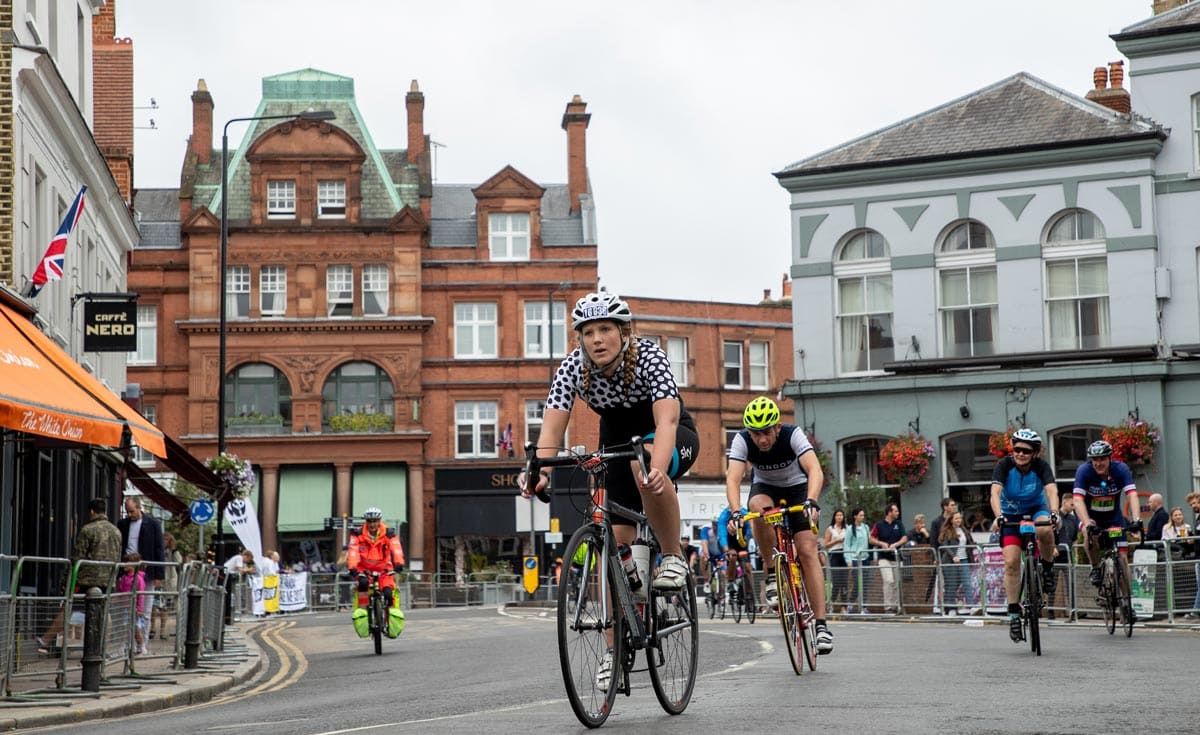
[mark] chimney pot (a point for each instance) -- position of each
(1116, 74)
(1100, 77)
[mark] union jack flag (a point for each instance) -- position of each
(505, 443)
(51, 266)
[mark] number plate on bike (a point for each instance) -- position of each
(1115, 532)
(774, 517)
(1026, 527)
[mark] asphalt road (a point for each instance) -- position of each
(483, 671)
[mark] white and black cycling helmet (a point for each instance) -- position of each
(601, 306)
(372, 514)
(1099, 449)
(1027, 436)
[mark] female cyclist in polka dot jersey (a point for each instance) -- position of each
(629, 383)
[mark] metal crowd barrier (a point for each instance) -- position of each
(41, 634)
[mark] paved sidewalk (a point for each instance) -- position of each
(156, 687)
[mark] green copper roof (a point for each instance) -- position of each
(307, 84)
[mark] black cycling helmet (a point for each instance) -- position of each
(1099, 449)
(1027, 436)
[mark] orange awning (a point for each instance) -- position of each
(43, 391)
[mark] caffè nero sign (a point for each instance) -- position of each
(109, 326)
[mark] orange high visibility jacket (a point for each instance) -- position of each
(379, 553)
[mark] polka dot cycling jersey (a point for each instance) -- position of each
(652, 381)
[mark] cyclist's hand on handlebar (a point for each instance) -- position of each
(1055, 520)
(655, 481)
(538, 488)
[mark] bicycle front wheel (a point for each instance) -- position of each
(1126, 602)
(588, 631)
(736, 600)
(710, 599)
(673, 653)
(1109, 594)
(380, 615)
(789, 613)
(751, 599)
(807, 620)
(1033, 603)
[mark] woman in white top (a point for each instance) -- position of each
(835, 536)
(1176, 528)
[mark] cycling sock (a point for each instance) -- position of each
(1014, 608)
(820, 622)
(1047, 567)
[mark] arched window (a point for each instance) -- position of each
(967, 297)
(358, 397)
(968, 466)
(258, 400)
(1068, 449)
(1076, 282)
(864, 304)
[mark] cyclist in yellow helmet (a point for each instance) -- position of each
(785, 468)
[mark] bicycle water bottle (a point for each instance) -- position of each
(631, 570)
(641, 559)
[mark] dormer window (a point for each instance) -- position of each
(508, 236)
(331, 199)
(281, 199)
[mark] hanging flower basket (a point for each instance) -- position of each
(1000, 443)
(234, 472)
(823, 454)
(1133, 440)
(905, 459)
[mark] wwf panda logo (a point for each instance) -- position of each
(236, 510)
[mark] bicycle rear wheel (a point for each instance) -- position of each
(735, 600)
(1033, 603)
(807, 620)
(586, 626)
(1126, 602)
(1108, 595)
(789, 613)
(674, 648)
(751, 599)
(710, 599)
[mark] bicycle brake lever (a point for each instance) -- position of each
(636, 443)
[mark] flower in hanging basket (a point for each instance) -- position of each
(822, 453)
(905, 459)
(1000, 443)
(234, 472)
(1133, 440)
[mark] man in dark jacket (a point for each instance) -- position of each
(97, 540)
(143, 534)
(1158, 520)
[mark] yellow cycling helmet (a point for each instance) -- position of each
(761, 413)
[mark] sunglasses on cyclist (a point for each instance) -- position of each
(1022, 450)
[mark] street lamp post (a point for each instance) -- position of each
(306, 115)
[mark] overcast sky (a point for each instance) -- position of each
(694, 104)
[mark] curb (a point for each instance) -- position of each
(154, 696)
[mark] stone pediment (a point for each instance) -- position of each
(201, 220)
(508, 183)
(308, 139)
(408, 220)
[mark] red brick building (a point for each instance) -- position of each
(384, 332)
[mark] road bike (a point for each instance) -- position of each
(1113, 595)
(740, 591)
(378, 602)
(714, 600)
(603, 614)
(1032, 599)
(795, 611)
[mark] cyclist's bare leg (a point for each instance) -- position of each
(1012, 573)
(1093, 550)
(1045, 537)
(1125, 566)
(662, 511)
(814, 578)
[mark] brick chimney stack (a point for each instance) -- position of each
(575, 122)
(1107, 87)
(200, 144)
(414, 102)
(1162, 6)
(112, 98)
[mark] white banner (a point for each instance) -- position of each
(240, 514)
(293, 592)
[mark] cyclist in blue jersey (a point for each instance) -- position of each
(710, 548)
(736, 553)
(1100, 484)
(1023, 484)
(784, 467)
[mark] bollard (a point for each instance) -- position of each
(191, 644)
(93, 640)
